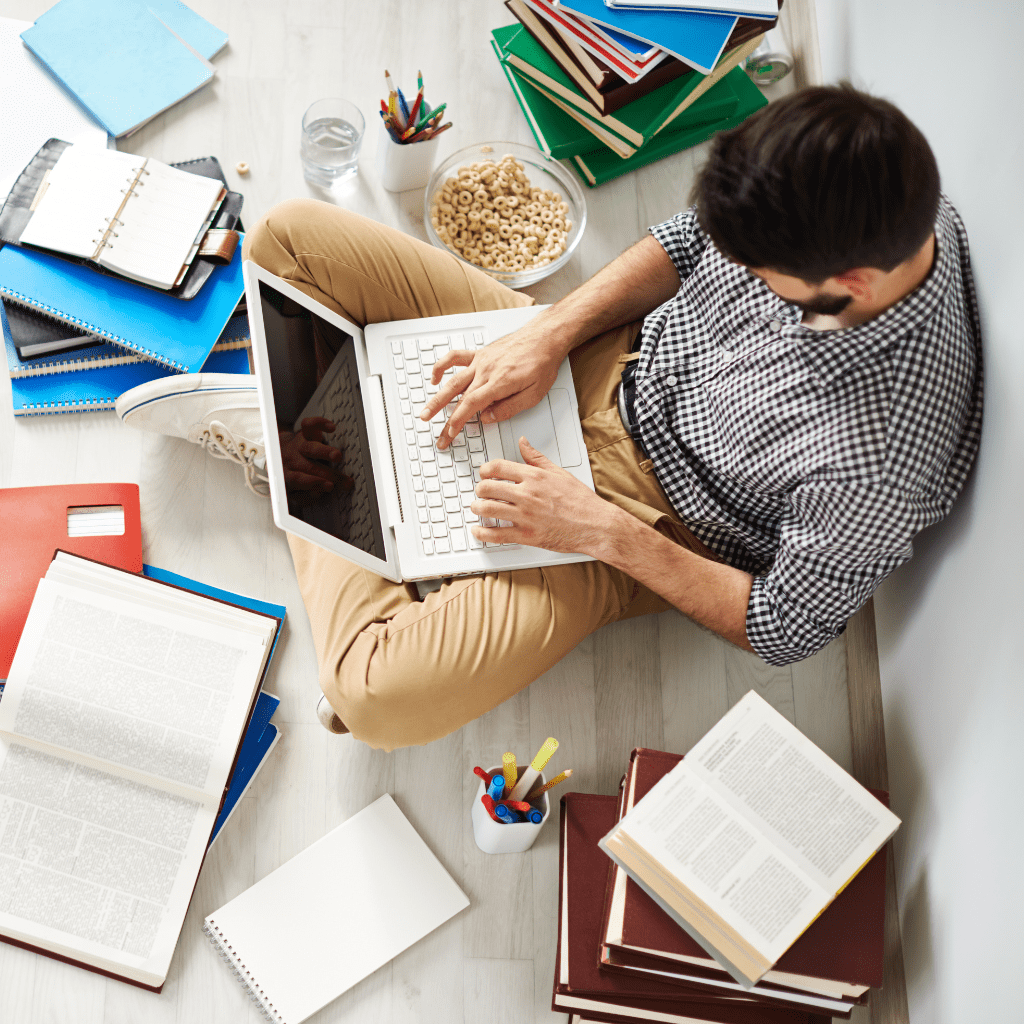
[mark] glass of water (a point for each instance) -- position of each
(332, 131)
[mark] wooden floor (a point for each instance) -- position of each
(658, 681)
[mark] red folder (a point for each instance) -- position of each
(34, 525)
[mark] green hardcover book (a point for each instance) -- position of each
(557, 134)
(715, 105)
(602, 165)
(637, 122)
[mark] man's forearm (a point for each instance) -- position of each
(711, 593)
(632, 285)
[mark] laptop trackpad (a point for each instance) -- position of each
(538, 428)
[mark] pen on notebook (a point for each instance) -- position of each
(537, 790)
(509, 770)
(529, 776)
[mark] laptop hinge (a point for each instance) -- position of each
(391, 493)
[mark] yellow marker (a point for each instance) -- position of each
(527, 779)
(509, 770)
(561, 777)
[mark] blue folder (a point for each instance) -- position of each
(120, 59)
(696, 38)
(260, 735)
(178, 333)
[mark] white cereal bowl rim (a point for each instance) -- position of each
(575, 197)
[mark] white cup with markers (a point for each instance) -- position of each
(511, 805)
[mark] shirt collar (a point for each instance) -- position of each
(830, 354)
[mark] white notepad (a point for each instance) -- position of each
(332, 915)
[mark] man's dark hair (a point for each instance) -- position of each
(823, 181)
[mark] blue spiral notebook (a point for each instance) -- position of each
(696, 38)
(149, 323)
(124, 60)
(260, 735)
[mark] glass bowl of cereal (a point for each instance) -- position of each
(507, 209)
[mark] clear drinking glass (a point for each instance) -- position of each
(332, 131)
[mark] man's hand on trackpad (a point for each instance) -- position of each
(504, 378)
(546, 505)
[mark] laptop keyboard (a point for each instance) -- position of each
(443, 481)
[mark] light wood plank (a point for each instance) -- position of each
(820, 704)
(497, 991)
(745, 672)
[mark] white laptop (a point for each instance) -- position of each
(406, 514)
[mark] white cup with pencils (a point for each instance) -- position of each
(508, 815)
(408, 145)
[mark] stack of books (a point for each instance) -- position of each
(746, 884)
(613, 89)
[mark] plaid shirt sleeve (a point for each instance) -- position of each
(837, 543)
(684, 241)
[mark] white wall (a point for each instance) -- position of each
(951, 634)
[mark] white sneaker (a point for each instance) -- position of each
(218, 411)
(328, 719)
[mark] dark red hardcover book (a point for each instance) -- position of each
(843, 946)
(582, 987)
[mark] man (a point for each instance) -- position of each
(800, 367)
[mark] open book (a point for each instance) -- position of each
(750, 838)
(119, 724)
(131, 214)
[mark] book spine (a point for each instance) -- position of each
(235, 965)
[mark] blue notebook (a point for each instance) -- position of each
(260, 735)
(178, 333)
(124, 60)
(95, 388)
(234, 336)
(203, 37)
(694, 37)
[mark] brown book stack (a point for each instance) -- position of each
(622, 958)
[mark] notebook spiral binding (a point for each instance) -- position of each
(251, 985)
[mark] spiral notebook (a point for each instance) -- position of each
(148, 323)
(332, 915)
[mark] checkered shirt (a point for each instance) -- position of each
(809, 459)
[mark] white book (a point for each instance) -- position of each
(134, 215)
(334, 913)
(745, 8)
(750, 837)
(120, 720)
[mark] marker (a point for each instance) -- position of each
(509, 770)
(489, 804)
(515, 805)
(507, 816)
(535, 817)
(529, 776)
(486, 776)
(496, 786)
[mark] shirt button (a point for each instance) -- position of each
(727, 354)
(671, 380)
(774, 325)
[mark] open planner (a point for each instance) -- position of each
(120, 722)
(133, 215)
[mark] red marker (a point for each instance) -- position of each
(486, 776)
(517, 805)
(489, 804)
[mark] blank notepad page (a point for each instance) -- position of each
(335, 913)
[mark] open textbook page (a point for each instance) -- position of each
(750, 837)
(119, 724)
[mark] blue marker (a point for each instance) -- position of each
(535, 817)
(507, 815)
(496, 787)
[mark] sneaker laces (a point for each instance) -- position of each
(219, 442)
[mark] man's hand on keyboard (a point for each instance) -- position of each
(509, 375)
(308, 461)
(546, 505)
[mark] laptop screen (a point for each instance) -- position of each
(314, 373)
